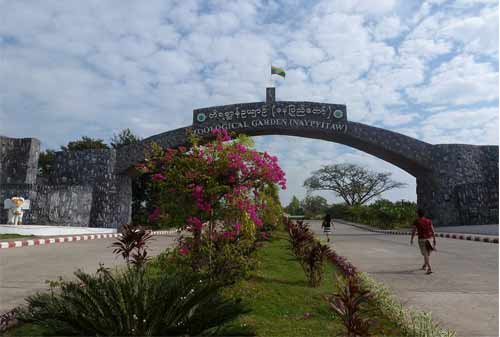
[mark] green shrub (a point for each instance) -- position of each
(299, 237)
(131, 303)
(382, 213)
(313, 262)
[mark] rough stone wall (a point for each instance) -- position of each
(111, 196)
(18, 160)
(462, 187)
(61, 205)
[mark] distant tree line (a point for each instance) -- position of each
(382, 213)
(358, 187)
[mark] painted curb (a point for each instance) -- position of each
(441, 235)
(41, 242)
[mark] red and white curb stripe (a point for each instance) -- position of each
(469, 237)
(41, 242)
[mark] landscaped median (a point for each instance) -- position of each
(283, 304)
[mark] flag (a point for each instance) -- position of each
(277, 71)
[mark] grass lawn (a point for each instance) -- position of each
(13, 236)
(282, 303)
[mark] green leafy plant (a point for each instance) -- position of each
(313, 262)
(348, 304)
(300, 236)
(132, 244)
(131, 304)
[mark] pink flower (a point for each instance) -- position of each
(170, 154)
(204, 206)
(154, 215)
(183, 251)
(237, 227)
(221, 134)
(241, 148)
(158, 177)
(229, 235)
(195, 222)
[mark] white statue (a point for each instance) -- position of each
(16, 207)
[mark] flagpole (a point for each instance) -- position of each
(271, 74)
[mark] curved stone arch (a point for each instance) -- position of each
(456, 183)
(409, 154)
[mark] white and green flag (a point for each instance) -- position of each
(278, 71)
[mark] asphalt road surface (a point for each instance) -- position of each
(462, 293)
(23, 271)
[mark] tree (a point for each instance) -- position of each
(86, 143)
(294, 208)
(124, 138)
(353, 183)
(216, 191)
(45, 162)
(314, 205)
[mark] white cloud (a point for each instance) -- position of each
(369, 8)
(426, 49)
(459, 81)
(395, 119)
(477, 34)
(389, 27)
(303, 53)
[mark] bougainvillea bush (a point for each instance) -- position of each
(218, 191)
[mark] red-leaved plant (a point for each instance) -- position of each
(345, 267)
(300, 237)
(349, 304)
(313, 261)
(132, 244)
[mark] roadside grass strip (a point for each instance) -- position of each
(282, 303)
(410, 322)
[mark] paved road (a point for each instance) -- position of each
(23, 271)
(462, 293)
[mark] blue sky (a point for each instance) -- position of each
(427, 69)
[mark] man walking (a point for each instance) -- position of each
(423, 226)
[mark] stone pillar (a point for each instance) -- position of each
(18, 170)
(19, 160)
(462, 187)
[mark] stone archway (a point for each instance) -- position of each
(456, 183)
